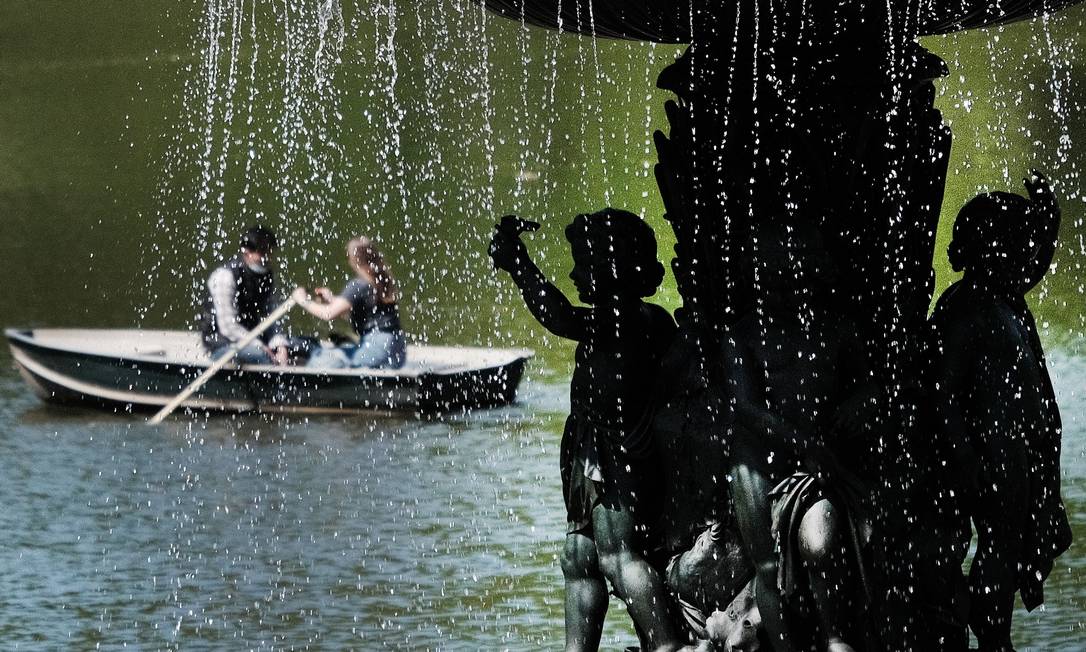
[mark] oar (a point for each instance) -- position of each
(223, 360)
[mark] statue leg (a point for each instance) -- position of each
(999, 514)
(750, 497)
(824, 552)
(586, 594)
(635, 581)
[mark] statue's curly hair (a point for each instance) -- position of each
(994, 222)
(626, 238)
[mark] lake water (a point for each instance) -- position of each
(367, 532)
(334, 533)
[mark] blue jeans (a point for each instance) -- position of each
(378, 350)
(253, 353)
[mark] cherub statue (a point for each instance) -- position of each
(608, 469)
(797, 380)
(996, 406)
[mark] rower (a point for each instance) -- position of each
(240, 294)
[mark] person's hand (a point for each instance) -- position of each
(1037, 186)
(506, 248)
(299, 295)
(325, 294)
(1041, 195)
(280, 356)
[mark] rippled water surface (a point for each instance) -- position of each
(343, 533)
(267, 533)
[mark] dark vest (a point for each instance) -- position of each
(252, 297)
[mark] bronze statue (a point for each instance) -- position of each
(608, 473)
(996, 404)
(822, 116)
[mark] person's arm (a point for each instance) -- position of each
(273, 334)
(328, 311)
(1045, 216)
(546, 302)
(223, 292)
(277, 341)
(549, 306)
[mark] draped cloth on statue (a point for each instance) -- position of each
(792, 498)
(669, 21)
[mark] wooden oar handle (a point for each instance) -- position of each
(275, 316)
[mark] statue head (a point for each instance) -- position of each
(739, 626)
(614, 255)
(992, 237)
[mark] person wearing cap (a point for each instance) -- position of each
(240, 295)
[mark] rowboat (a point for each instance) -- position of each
(135, 370)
